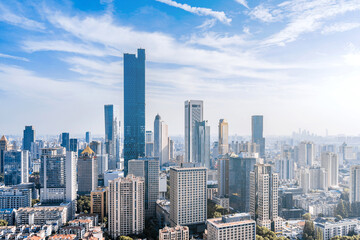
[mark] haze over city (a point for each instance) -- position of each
(295, 62)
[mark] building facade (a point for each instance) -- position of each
(112, 135)
(223, 137)
(174, 233)
(355, 183)
(257, 133)
(87, 171)
(16, 167)
(134, 106)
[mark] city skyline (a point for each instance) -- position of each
(247, 52)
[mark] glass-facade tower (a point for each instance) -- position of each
(257, 133)
(134, 106)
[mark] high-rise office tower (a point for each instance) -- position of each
(193, 114)
(257, 133)
(87, 171)
(157, 136)
(188, 201)
(286, 165)
(149, 147)
(96, 147)
(223, 177)
(126, 206)
(306, 154)
(330, 162)
(355, 183)
(201, 146)
(3, 147)
(239, 180)
(29, 137)
(16, 167)
(134, 106)
(264, 185)
(171, 149)
(88, 137)
(161, 141)
(74, 146)
(65, 141)
(148, 169)
(57, 175)
(223, 137)
(112, 135)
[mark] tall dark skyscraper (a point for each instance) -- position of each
(134, 106)
(74, 147)
(65, 141)
(29, 137)
(88, 137)
(257, 133)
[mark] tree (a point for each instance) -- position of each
(3, 222)
(341, 209)
(124, 238)
(309, 231)
(34, 201)
(83, 204)
(307, 216)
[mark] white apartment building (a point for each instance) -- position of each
(174, 233)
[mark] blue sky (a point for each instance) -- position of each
(297, 62)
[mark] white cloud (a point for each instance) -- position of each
(243, 2)
(13, 57)
(199, 11)
(8, 16)
(265, 14)
(340, 27)
(305, 16)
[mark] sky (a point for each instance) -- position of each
(297, 62)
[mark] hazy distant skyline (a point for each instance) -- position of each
(297, 62)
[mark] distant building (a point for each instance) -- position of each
(174, 233)
(65, 141)
(193, 114)
(29, 137)
(112, 135)
(186, 185)
(239, 226)
(161, 141)
(355, 184)
(134, 106)
(149, 140)
(126, 206)
(223, 177)
(223, 136)
(99, 202)
(16, 167)
(87, 171)
(306, 154)
(111, 175)
(88, 137)
(148, 169)
(201, 146)
(257, 133)
(4, 146)
(8, 215)
(330, 162)
(74, 146)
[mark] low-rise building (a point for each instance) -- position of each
(63, 237)
(237, 226)
(41, 215)
(341, 228)
(14, 198)
(77, 230)
(222, 201)
(174, 233)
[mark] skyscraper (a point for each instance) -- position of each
(87, 171)
(193, 114)
(257, 133)
(223, 136)
(29, 137)
(65, 141)
(239, 180)
(223, 177)
(112, 135)
(330, 162)
(134, 106)
(188, 201)
(3, 147)
(157, 136)
(126, 206)
(88, 137)
(264, 185)
(355, 183)
(161, 141)
(74, 147)
(202, 144)
(148, 169)
(16, 167)
(149, 140)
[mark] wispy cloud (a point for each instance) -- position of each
(18, 20)
(220, 16)
(13, 57)
(243, 2)
(340, 27)
(265, 14)
(304, 16)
